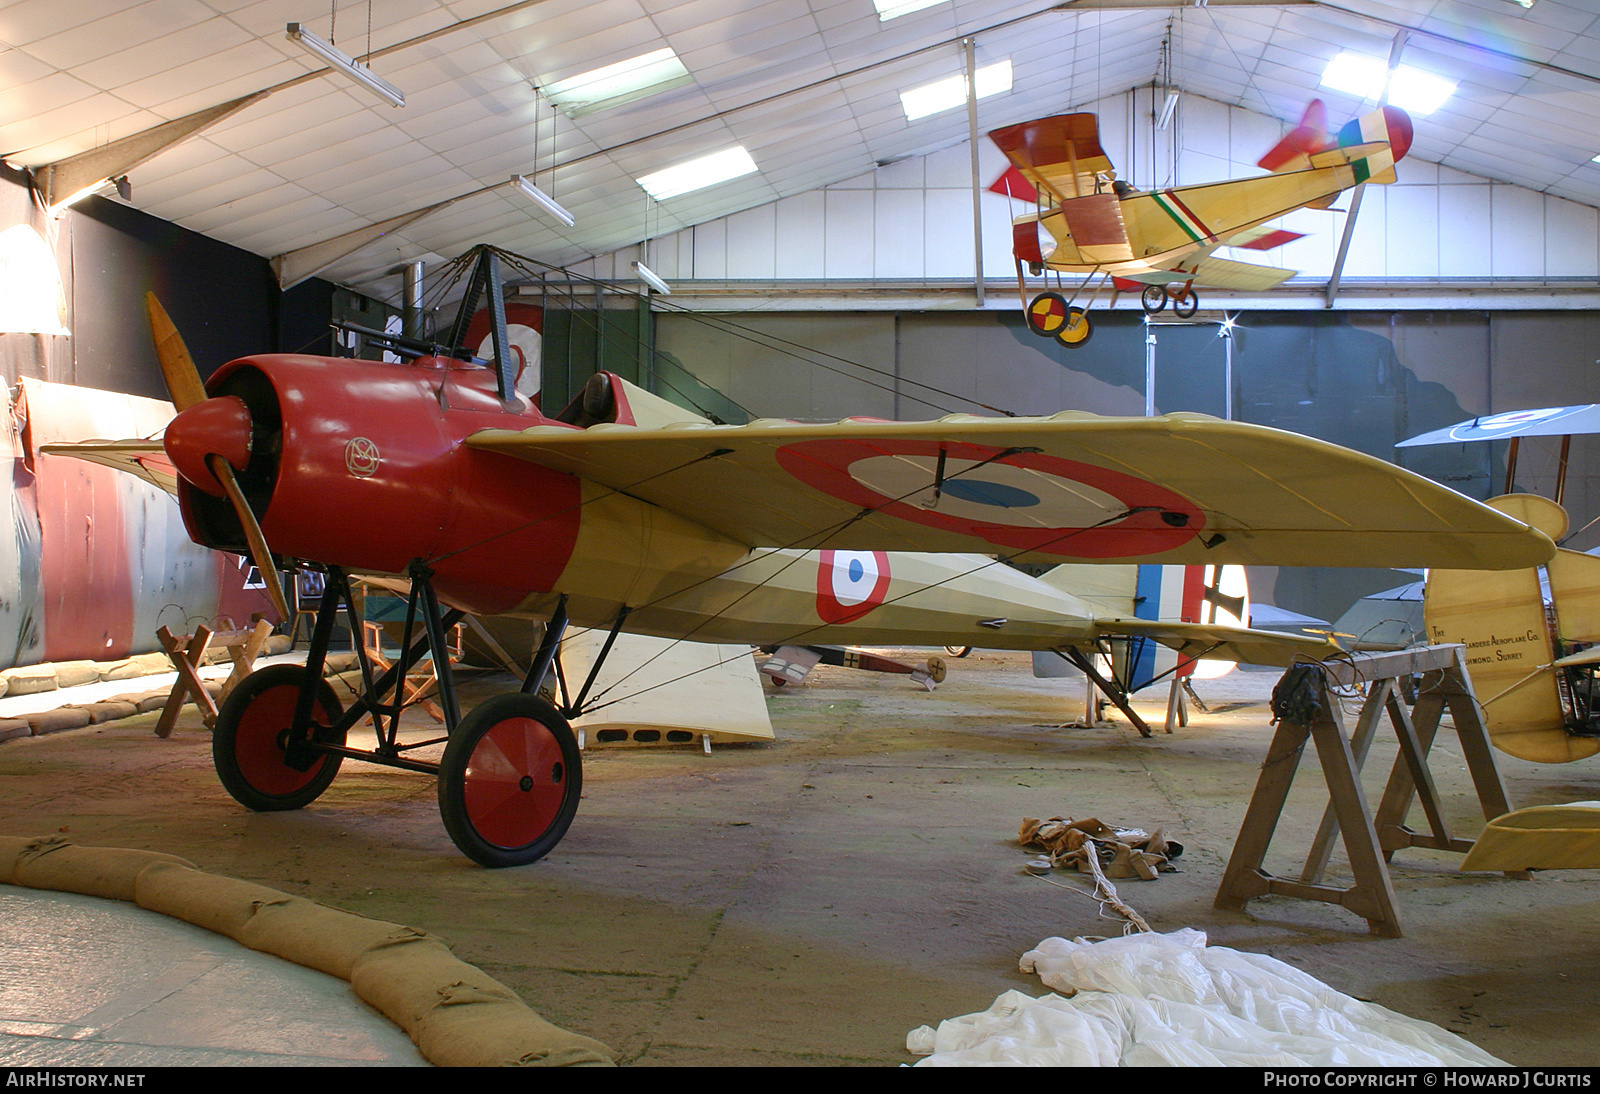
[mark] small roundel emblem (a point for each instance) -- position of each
(361, 457)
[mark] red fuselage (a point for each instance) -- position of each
(361, 465)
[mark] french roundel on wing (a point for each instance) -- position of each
(850, 584)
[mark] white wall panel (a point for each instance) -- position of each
(848, 234)
(1464, 247)
(800, 223)
(897, 233)
(1571, 234)
(1516, 218)
(1411, 229)
(947, 234)
(753, 243)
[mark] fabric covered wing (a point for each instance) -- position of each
(1060, 154)
(1180, 488)
(1221, 641)
(144, 458)
(1223, 273)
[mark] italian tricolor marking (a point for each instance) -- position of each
(1183, 217)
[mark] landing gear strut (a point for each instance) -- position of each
(511, 774)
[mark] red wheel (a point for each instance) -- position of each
(509, 781)
(250, 740)
(1046, 313)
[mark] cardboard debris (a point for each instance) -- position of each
(1120, 852)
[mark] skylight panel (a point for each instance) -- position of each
(893, 9)
(1410, 88)
(624, 82)
(697, 174)
(951, 92)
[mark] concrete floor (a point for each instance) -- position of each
(812, 900)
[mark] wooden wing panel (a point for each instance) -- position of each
(1575, 588)
(1500, 618)
(1181, 488)
(1060, 154)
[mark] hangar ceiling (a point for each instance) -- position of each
(809, 87)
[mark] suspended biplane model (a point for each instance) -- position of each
(1530, 634)
(625, 512)
(1164, 242)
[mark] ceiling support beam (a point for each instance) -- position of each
(64, 181)
(969, 48)
(1355, 197)
(293, 267)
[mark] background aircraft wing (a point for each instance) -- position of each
(144, 458)
(1181, 488)
(1224, 273)
(1222, 642)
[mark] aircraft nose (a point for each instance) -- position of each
(213, 427)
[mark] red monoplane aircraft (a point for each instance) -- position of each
(624, 512)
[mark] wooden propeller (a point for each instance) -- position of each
(187, 389)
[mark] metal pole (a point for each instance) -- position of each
(411, 299)
(967, 45)
(1227, 372)
(1149, 369)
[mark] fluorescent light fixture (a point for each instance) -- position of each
(624, 82)
(347, 65)
(651, 278)
(730, 163)
(61, 206)
(951, 92)
(1166, 110)
(1411, 88)
(542, 199)
(893, 9)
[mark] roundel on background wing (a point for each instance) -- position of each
(524, 327)
(850, 584)
(1026, 501)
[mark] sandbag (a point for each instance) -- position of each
(458, 1015)
(221, 904)
(317, 936)
(112, 872)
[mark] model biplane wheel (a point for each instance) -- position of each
(958, 651)
(1154, 298)
(1076, 330)
(1047, 314)
(509, 781)
(250, 744)
(936, 669)
(1186, 303)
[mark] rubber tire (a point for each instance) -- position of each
(1076, 331)
(1153, 298)
(958, 651)
(252, 719)
(475, 781)
(1186, 304)
(1056, 299)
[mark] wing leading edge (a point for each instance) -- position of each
(1183, 488)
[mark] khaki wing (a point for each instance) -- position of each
(144, 458)
(1183, 488)
(1224, 273)
(1222, 642)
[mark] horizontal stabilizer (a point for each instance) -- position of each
(1293, 152)
(1180, 488)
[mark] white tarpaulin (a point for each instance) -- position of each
(1171, 1000)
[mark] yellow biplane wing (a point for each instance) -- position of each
(1059, 154)
(1184, 488)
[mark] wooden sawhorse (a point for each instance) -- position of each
(187, 653)
(1305, 710)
